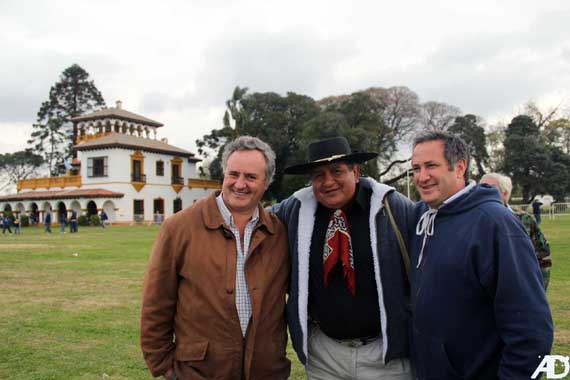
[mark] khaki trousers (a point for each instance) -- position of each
(331, 360)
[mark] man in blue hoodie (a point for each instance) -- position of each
(478, 305)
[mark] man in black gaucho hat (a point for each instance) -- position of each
(348, 307)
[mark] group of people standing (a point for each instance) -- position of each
(72, 221)
(370, 285)
(63, 221)
(7, 223)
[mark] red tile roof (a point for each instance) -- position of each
(117, 113)
(119, 140)
(61, 194)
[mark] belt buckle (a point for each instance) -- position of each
(355, 343)
(352, 343)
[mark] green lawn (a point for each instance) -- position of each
(69, 303)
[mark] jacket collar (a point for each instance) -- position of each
(213, 218)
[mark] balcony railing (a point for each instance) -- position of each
(138, 178)
(177, 180)
(49, 182)
(204, 183)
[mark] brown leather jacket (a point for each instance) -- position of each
(189, 320)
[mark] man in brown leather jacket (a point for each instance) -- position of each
(214, 291)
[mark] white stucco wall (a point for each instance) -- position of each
(118, 179)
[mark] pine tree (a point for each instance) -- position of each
(54, 134)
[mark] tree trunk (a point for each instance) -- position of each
(75, 132)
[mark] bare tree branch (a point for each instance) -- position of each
(397, 178)
(392, 164)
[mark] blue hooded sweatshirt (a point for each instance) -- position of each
(479, 307)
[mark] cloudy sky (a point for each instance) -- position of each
(178, 61)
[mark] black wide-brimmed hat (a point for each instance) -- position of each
(329, 150)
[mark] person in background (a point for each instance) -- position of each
(73, 222)
(536, 209)
(17, 225)
(479, 310)
(157, 218)
(47, 222)
(62, 222)
(539, 241)
(103, 218)
(6, 223)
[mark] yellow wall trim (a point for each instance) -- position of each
(137, 156)
(204, 183)
(49, 182)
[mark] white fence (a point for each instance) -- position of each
(551, 211)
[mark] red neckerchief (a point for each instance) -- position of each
(338, 246)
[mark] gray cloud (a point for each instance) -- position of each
(292, 60)
(33, 74)
(488, 74)
(179, 62)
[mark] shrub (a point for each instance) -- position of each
(82, 220)
(24, 220)
(94, 220)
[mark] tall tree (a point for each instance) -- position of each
(400, 108)
(235, 111)
(469, 128)
(540, 116)
(18, 165)
(73, 95)
(557, 133)
(438, 116)
(232, 124)
(49, 140)
(534, 166)
(495, 138)
(365, 127)
(556, 174)
(375, 120)
(523, 153)
(273, 118)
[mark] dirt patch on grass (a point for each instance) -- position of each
(562, 336)
(22, 246)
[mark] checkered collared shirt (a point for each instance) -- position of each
(243, 302)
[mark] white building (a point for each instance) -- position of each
(121, 168)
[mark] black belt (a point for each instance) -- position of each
(355, 342)
(358, 342)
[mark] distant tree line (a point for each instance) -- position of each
(534, 148)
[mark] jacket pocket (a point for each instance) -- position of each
(191, 352)
(431, 359)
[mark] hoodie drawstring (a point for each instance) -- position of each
(425, 227)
